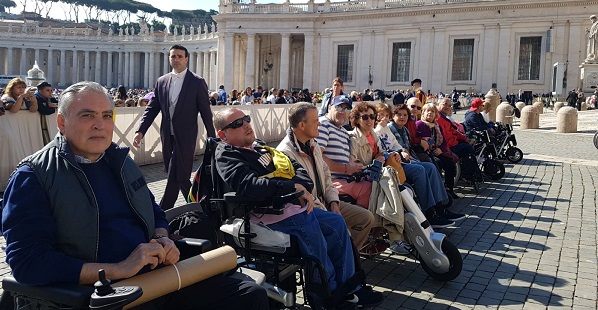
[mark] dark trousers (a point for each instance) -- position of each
(450, 171)
(218, 292)
(174, 182)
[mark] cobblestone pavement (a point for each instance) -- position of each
(529, 241)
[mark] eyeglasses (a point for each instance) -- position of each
(339, 108)
(365, 117)
(238, 122)
(416, 106)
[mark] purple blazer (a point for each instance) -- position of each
(192, 100)
(423, 131)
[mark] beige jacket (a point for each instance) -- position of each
(387, 205)
(361, 150)
(290, 146)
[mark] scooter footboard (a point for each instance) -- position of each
(427, 243)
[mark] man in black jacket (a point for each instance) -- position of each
(45, 107)
(258, 172)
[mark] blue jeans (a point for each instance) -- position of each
(427, 183)
(323, 235)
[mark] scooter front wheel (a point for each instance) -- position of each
(515, 155)
(455, 261)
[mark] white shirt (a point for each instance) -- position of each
(176, 84)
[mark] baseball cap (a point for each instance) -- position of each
(476, 104)
(340, 99)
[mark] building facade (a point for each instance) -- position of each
(450, 44)
(464, 44)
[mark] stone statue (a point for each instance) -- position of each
(183, 31)
(110, 31)
(213, 27)
(99, 31)
(37, 28)
(176, 31)
(592, 39)
(127, 31)
(24, 28)
(152, 30)
(120, 32)
(191, 30)
(143, 27)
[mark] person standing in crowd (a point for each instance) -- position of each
(180, 95)
(45, 107)
(258, 93)
(221, 94)
(398, 98)
(247, 97)
(121, 93)
(16, 97)
(418, 91)
(337, 90)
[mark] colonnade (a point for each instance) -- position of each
(110, 67)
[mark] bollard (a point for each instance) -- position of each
(539, 106)
(584, 106)
(530, 118)
(558, 105)
(566, 120)
(502, 111)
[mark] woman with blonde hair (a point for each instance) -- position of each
(16, 97)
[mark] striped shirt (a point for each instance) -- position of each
(335, 143)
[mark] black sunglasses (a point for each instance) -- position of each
(416, 106)
(238, 122)
(365, 117)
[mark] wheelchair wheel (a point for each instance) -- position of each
(515, 155)
(455, 261)
(596, 139)
(457, 172)
(494, 169)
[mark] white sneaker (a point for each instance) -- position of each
(400, 248)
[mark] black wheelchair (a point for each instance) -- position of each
(285, 268)
(102, 296)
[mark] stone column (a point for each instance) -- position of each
(308, 57)
(146, 70)
(229, 43)
(152, 69)
(206, 67)
(50, 73)
(23, 69)
(125, 69)
(199, 62)
(325, 77)
(86, 68)
(37, 56)
(62, 78)
(75, 70)
(192, 62)
(166, 62)
(284, 61)
(131, 69)
(109, 72)
(98, 68)
(214, 69)
(119, 69)
(9, 60)
(250, 61)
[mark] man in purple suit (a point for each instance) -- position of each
(180, 95)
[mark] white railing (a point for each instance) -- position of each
(331, 6)
(22, 133)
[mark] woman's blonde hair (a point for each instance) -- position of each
(12, 84)
(428, 107)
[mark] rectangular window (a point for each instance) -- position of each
(530, 49)
(462, 69)
(401, 61)
(344, 65)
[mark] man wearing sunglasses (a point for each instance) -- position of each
(179, 95)
(256, 171)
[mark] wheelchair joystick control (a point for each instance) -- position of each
(102, 286)
(105, 297)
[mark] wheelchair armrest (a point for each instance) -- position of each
(70, 294)
(192, 246)
(261, 206)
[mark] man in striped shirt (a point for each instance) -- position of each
(335, 144)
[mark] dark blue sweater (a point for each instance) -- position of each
(29, 227)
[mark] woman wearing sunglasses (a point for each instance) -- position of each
(426, 181)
